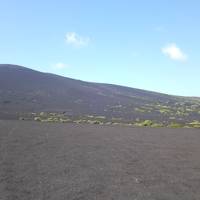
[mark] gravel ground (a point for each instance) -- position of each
(44, 161)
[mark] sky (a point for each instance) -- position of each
(152, 45)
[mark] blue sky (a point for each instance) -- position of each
(152, 45)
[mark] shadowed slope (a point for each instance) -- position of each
(26, 90)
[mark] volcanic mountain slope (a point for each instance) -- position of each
(23, 90)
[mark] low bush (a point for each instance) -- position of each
(175, 125)
(195, 124)
(144, 123)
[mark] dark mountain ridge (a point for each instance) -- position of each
(23, 90)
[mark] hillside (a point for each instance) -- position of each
(24, 91)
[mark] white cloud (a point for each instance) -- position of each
(60, 65)
(76, 40)
(174, 52)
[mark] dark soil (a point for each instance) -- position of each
(44, 161)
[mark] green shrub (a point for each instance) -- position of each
(175, 125)
(37, 119)
(195, 124)
(147, 123)
(157, 125)
(42, 114)
(94, 122)
(144, 123)
(65, 120)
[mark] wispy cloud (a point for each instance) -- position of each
(61, 65)
(76, 40)
(174, 52)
